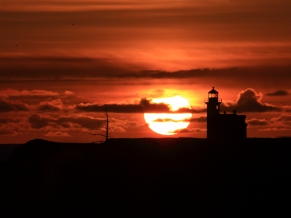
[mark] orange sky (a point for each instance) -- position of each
(58, 55)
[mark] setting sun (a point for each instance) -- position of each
(169, 123)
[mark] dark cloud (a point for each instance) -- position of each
(8, 120)
(48, 108)
(125, 123)
(161, 120)
(13, 125)
(38, 121)
(181, 131)
(277, 128)
(192, 110)
(52, 106)
(187, 130)
(143, 106)
(63, 68)
(278, 93)
(8, 106)
(248, 101)
(12, 93)
(287, 108)
(7, 133)
(117, 129)
(201, 119)
(3, 121)
(283, 118)
(258, 122)
(281, 123)
(83, 121)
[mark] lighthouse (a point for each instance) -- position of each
(213, 109)
(223, 126)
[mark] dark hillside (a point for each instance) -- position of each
(140, 177)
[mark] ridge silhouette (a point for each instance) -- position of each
(147, 176)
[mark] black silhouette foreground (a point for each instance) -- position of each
(148, 178)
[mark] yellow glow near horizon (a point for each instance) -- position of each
(169, 123)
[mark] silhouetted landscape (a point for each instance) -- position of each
(89, 88)
(147, 177)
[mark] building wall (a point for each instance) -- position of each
(226, 126)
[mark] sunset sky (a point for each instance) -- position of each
(61, 61)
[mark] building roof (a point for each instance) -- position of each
(213, 91)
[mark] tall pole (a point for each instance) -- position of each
(107, 124)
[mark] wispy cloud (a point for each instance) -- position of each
(57, 134)
(12, 93)
(9, 105)
(7, 133)
(279, 93)
(50, 106)
(38, 121)
(189, 130)
(258, 122)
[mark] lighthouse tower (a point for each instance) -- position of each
(213, 104)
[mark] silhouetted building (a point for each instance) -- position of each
(223, 126)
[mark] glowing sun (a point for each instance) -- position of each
(169, 123)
